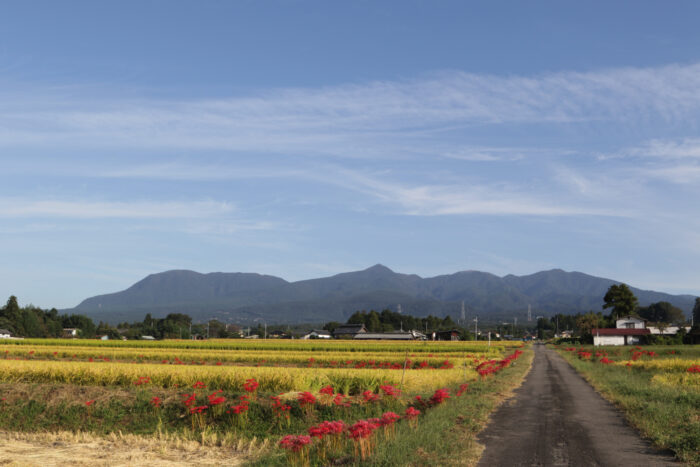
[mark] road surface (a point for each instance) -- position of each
(557, 419)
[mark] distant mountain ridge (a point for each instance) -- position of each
(249, 297)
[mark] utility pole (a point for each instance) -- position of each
(265, 329)
(529, 313)
(476, 322)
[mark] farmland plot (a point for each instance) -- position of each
(294, 402)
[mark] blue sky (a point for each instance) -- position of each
(302, 139)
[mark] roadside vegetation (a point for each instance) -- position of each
(657, 387)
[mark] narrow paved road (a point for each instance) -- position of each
(557, 419)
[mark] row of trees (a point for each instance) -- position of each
(387, 321)
(31, 321)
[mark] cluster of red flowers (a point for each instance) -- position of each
(215, 399)
(373, 364)
(494, 366)
(199, 385)
(327, 428)
(279, 408)
(369, 396)
(198, 409)
(462, 389)
(142, 380)
(694, 369)
(411, 413)
(328, 391)
(156, 401)
(250, 385)
(440, 396)
(637, 353)
(306, 398)
(241, 407)
(295, 443)
(606, 361)
(389, 390)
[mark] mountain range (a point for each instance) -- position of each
(246, 298)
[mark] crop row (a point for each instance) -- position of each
(317, 345)
(260, 358)
(349, 381)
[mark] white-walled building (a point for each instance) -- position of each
(627, 331)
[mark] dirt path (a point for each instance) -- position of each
(557, 419)
(84, 449)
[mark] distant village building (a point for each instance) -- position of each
(317, 334)
(277, 334)
(390, 336)
(349, 331)
(451, 335)
(148, 338)
(70, 333)
(5, 334)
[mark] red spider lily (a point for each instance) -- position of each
(606, 361)
(439, 396)
(694, 369)
(389, 418)
(190, 398)
(338, 400)
(328, 390)
(306, 398)
(362, 429)
(156, 401)
(215, 399)
(411, 412)
(462, 389)
(142, 380)
(198, 409)
(250, 385)
(295, 443)
(90, 402)
(389, 390)
(369, 396)
(199, 385)
(237, 409)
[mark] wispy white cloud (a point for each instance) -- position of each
(81, 209)
(355, 120)
(687, 148)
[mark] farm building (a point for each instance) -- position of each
(627, 331)
(5, 334)
(390, 336)
(348, 331)
(317, 334)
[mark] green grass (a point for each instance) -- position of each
(669, 416)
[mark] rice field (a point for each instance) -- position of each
(310, 402)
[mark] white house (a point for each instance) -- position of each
(5, 334)
(627, 331)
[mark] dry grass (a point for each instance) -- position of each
(85, 449)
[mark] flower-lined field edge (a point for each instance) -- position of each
(443, 431)
(641, 399)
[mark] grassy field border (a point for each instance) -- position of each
(658, 413)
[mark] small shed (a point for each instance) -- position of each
(5, 334)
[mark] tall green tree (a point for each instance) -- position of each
(662, 312)
(621, 299)
(696, 313)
